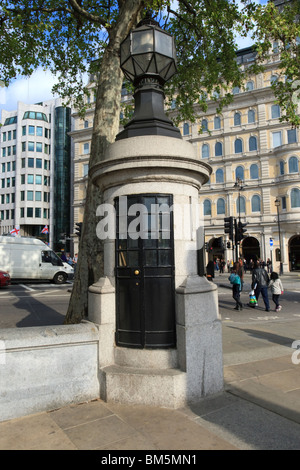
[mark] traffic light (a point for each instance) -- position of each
(228, 226)
(78, 229)
(228, 245)
(220, 243)
(241, 229)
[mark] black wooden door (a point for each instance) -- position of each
(145, 273)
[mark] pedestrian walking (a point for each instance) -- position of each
(210, 271)
(235, 280)
(276, 289)
(241, 272)
(260, 282)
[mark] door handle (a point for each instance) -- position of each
(136, 272)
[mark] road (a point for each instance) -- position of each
(251, 334)
(33, 304)
(254, 334)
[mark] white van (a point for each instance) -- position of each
(30, 258)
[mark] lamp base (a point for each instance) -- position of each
(149, 117)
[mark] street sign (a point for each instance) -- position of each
(271, 242)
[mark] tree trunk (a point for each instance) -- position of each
(106, 124)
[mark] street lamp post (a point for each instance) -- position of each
(239, 184)
(277, 204)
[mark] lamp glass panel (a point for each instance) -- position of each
(163, 43)
(143, 61)
(125, 50)
(142, 41)
(128, 67)
(161, 62)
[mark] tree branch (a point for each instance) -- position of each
(85, 14)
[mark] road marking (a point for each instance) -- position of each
(26, 287)
(265, 318)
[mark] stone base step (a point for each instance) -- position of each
(154, 387)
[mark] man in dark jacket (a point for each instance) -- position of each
(260, 282)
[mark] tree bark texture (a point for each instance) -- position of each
(106, 124)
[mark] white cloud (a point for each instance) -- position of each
(28, 90)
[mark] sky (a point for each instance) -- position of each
(38, 87)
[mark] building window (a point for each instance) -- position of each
(39, 147)
(22, 212)
(293, 165)
(254, 172)
(220, 206)
(251, 116)
(186, 128)
(238, 146)
(276, 137)
(275, 111)
(275, 47)
(38, 195)
(217, 122)
(240, 205)
(204, 125)
(86, 148)
(235, 90)
(207, 207)
(30, 179)
(292, 136)
(86, 124)
(85, 169)
(31, 146)
(295, 197)
(205, 151)
(39, 131)
(29, 195)
(31, 130)
(39, 163)
(38, 212)
(38, 179)
(273, 79)
(29, 211)
(30, 162)
(237, 119)
(281, 167)
(255, 204)
(218, 149)
(252, 143)
(283, 203)
(250, 86)
(23, 130)
(219, 176)
(239, 173)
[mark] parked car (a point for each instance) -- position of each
(4, 279)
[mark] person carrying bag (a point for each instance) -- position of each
(235, 280)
